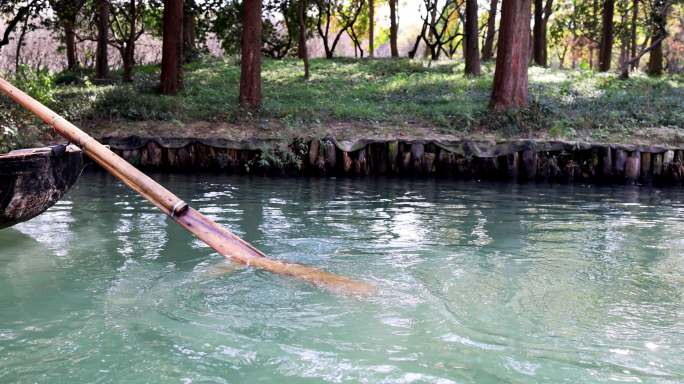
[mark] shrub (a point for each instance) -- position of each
(39, 83)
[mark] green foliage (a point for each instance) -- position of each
(227, 25)
(8, 131)
(280, 158)
(40, 83)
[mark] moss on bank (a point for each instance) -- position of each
(389, 97)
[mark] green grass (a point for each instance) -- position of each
(563, 104)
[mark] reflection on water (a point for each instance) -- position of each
(479, 283)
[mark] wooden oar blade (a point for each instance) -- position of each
(231, 246)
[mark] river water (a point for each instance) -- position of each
(477, 283)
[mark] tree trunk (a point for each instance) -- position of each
(414, 50)
(189, 32)
(539, 35)
(328, 51)
(393, 28)
(371, 27)
(304, 52)
(70, 42)
(655, 60)
(172, 48)
(472, 50)
(488, 47)
(101, 58)
(250, 70)
(624, 46)
(606, 47)
(659, 20)
(512, 56)
(20, 43)
(129, 48)
(430, 40)
(633, 32)
(594, 27)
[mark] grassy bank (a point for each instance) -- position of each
(389, 95)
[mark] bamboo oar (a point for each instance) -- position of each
(216, 236)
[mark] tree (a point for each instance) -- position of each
(658, 21)
(542, 13)
(279, 36)
(335, 13)
(440, 28)
(101, 55)
(633, 31)
(125, 27)
(358, 29)
(394, 28)
(124, 39)
(171, 80)
(190, 51)
(67, 14)
(472, 51)
(303, 51)
(606, 47)
(371, 27)
(488, 46)
(20, 43)
(17, 12)
(250, 63)
(656, 43)
(512, 56)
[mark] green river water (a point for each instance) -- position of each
(477, 283)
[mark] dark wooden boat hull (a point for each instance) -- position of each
(33, 180)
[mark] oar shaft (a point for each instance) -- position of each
(160, 196)
(214, 235)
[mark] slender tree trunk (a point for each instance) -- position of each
(659, 20)
(624, 45)
(371, 28)
(304, 52)
(328, 51)
(472, 50)
(70, 43)
(512, 56)
(536, 33)
(530, 48)
(594, 28)
(431, 33)
(129, 47)
(539, 35)
(189, 32)
(172, 48)
(606, 47)
(633, 32)
(561, 57)
(393, 28)
(488, 47)
(101, 55)
(414, 50)
(250, 70)
(20, 43)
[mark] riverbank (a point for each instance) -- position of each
(512, 160)
(348, 98)
(377, 117)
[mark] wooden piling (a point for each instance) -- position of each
(633, 167)
(529, 164)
